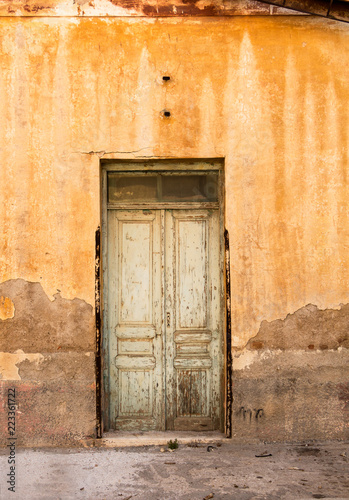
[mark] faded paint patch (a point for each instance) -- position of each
(271, 363)
(59, 366)
(42, 325)
(246, 359)
(7, 308)
(9, 361)
(308, 328)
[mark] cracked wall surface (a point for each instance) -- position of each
(267, 94)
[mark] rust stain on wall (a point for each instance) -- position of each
(151, 8)
(200, 8)
(228, 361)
(308, 328)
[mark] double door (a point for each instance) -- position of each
(164, 319)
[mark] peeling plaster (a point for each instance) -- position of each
(7, 308)
(309, 328)
(254, 84)
(246, 359)
(8, 363)
(42, 325)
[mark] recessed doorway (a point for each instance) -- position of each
(163, 296)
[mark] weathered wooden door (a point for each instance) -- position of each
(193, 309)
(164, 295)
(135, 320)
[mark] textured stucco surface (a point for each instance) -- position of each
(54, 412)
(271, 99)
(288, 395)
(267, 94)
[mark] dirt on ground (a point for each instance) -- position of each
(190, 472)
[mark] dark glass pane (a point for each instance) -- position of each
(190, 187)
(131, 188)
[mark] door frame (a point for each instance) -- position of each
(181, 166)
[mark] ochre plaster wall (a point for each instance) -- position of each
(268, 94)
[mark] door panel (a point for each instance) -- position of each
(193, 340)
(191, 272)
(134, 318)
(164, 319)
(135, 268)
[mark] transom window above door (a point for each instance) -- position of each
(161, 187)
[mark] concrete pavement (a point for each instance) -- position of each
(191, 472)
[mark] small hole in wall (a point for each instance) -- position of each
(166, 78)
(167, 114)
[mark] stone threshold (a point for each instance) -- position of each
(123, 439)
